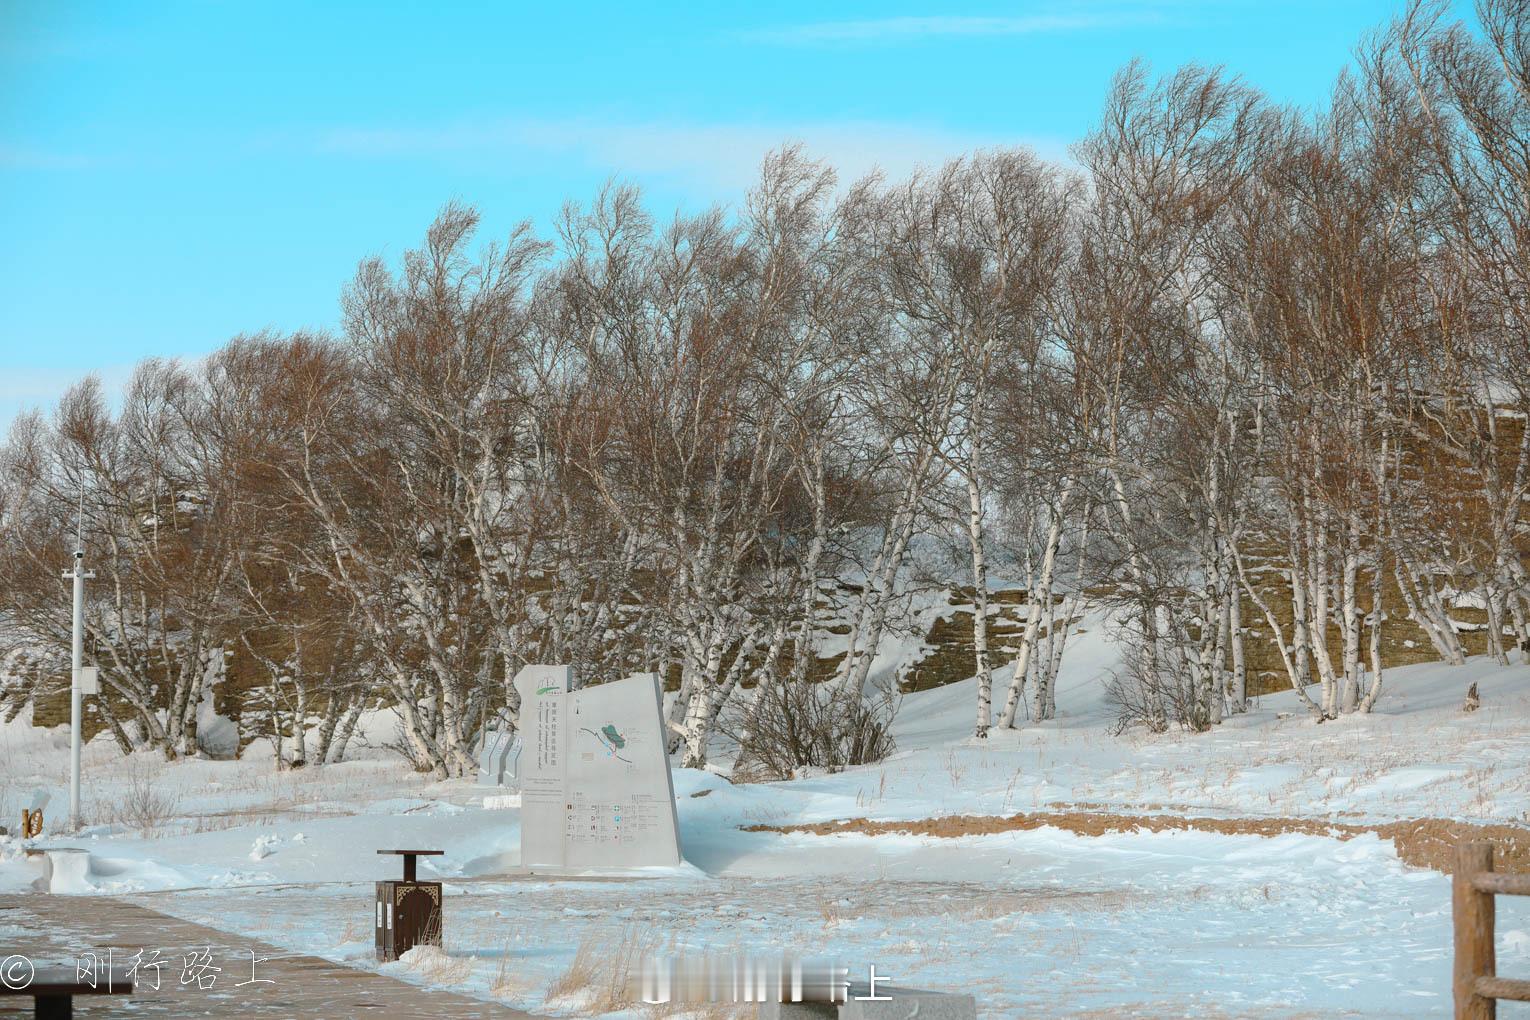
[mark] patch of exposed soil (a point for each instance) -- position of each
(1420, 842)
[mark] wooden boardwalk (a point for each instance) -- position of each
(58, 929)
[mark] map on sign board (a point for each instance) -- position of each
(596, 789)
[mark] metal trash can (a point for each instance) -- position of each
(408, 912)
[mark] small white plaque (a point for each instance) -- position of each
(90, 680)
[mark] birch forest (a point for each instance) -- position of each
(1251, 378)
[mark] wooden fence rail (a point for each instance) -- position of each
(1477, 984)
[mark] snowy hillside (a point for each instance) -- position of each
(1272, 925)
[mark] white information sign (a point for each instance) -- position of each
(544, 695)
(596, 789)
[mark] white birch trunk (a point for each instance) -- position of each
(1239, 662)
(1039, 597)
(1427, 609)
(1287, 651)
(980, 599)
(1350, 622)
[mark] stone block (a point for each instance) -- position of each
(907, 1004)
(899, 1004)
(798, 1011)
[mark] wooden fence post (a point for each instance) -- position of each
(1473, 913)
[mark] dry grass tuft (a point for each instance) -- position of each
(1420, 842)
(604, 973)
(700, 1011)
(432, 963)
(507, 984)
(145, 806)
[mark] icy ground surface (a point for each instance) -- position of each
(1042, 921)
(1167, 925)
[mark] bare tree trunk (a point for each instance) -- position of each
(1521, 629)
(716, 697)
(1219, 671)
(326, 735)
(1302, 641)
(277, 726)
(1426, 608)
(1287, 652)
(1072, 605)
(1039, 596)
(1235, 637)
(1317, 601)
(980, 597)
(1350, 622)
(1492, 603)
(124, 742)
(346, 729)
(1378, 617)
(871, 615)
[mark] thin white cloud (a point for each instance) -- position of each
(20, 157)
(24, 389)
(1043, 18)
(723, 157)
(884, 30)
(40, 386)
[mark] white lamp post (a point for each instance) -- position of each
(78, 575)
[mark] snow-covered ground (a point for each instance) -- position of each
(1157, 924)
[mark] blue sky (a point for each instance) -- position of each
(174, 174)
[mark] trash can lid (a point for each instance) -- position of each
(421, 853)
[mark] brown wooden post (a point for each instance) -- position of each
(1473, 913)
